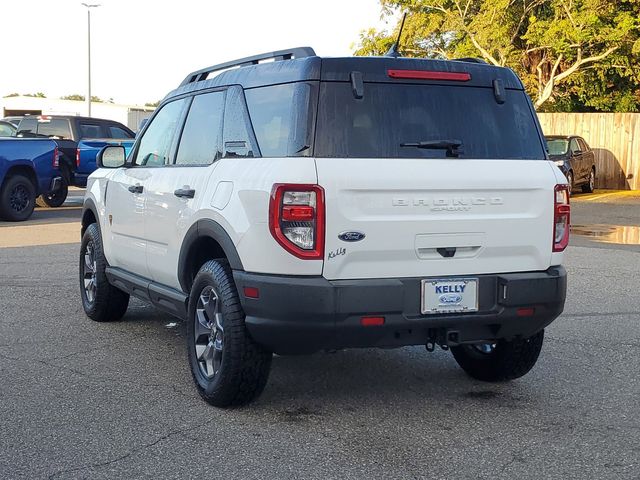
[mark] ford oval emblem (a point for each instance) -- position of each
(351, 236)
(450, 298)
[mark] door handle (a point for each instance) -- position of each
(185, 192)
(136, 188)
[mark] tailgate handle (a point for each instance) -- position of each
(447, 252)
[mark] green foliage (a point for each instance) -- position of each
(12, 95)
(572, 55)
(81, 98)
(152, 104)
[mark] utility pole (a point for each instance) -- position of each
(89, 7)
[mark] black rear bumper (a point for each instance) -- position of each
(307, 314)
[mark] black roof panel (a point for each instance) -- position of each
(373, 69)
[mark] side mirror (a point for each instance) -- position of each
(111, 156)
(577, 152)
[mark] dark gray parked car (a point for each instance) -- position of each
(575, 159)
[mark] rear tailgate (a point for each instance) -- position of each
(496, 214)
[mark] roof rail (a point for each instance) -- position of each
(299, 52)
(469, 59)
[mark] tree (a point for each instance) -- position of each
(570, 54)
(82, 98)
(12, 95)
(152, 104)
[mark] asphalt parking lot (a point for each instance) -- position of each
(85, 400)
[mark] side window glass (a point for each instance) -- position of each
(117, 132)
(27, 127)
(574, 146)
(155, 146)
(236, 137)
(283, 119)
(201, 137)
(88, 130)
(583, 145)
(57, 128)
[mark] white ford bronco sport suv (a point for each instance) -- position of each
(304, 203)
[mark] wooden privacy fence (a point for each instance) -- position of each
(614, 137)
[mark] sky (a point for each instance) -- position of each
(142, 49)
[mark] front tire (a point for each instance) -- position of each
(17, 198)
(500, 361)
(101, 301)
(228, 367)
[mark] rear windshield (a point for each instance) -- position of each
(390, 115)
(557, 146)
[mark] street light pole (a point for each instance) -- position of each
(89, 7)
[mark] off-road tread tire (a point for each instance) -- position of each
(245, 366)
(9, 183)
(509, 360)
(110, 303)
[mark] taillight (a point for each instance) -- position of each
(561, 218)
(296, 219)
(77, 157)
(56, 158)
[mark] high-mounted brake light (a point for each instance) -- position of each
(430, 75)
(296, 219)
(56, 158)
(561, 218)
(77, 157)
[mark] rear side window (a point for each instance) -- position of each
(201, 138)
(155, 145)
(117, 132)
(55, 128)
(390, 115)
(281, 117)
(28, 127)
(89, 130)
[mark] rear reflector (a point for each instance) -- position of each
(526, 312)
(298, 213)
(77, 157)
(371, 321)
(251, 292)
(56, 158)
(430, 75)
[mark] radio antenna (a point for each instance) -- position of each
(393, 51)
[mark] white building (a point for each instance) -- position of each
(129, 115)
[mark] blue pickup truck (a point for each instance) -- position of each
(28, 168)
(86, 156)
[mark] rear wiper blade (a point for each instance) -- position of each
(451, 146)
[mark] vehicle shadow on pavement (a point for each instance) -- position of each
(306, 387)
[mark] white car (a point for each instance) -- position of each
(309, 203)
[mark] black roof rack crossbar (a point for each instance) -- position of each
(299, 52)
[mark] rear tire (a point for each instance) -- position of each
(228, 367)
(589, 187)
(101, 301)
(503, 361)
(17, 198)
(54, 199)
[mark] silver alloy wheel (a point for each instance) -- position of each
(592, 181)
(208, 332)
(89, 272)
(570, 181)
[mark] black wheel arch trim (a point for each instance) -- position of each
(206, 228)
(89, 205)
